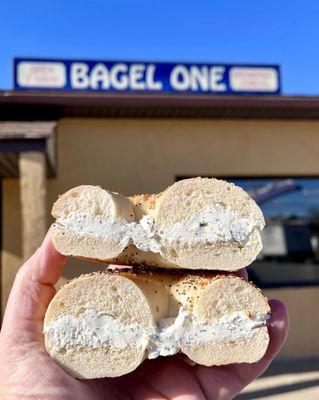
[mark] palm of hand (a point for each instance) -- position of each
(27, 372)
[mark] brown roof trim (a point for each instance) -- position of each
(27, 130)
(44, 105)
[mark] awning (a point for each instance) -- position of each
(22, 137)
(50, 105)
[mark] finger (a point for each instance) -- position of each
(49, 267)
(226, 382)
(33, 290)
(162, 378)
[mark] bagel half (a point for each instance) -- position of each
(197, 223)
(106, 324)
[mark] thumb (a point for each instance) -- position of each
(31, 293)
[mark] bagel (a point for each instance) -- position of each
(197, 223)
(106, 324)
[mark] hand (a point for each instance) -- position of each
(27, 372)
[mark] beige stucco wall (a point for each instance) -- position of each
(302, 304)
(132, 156)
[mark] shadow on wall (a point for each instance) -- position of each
(261, 394)
(284, 377)
(292, 366)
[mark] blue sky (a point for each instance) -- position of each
(273, 31)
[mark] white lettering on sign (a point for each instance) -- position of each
(79, 77)
(34, 74)
(151, 84)
(179, 78)
(198, 78)
(253, 79)
(100, 77)
(216, 76)
(119, 78)
(136, 77)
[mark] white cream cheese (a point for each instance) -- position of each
(93, 330)
(212, 225)
(171, 332)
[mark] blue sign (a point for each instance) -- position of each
(136, 76)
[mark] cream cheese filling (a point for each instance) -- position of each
(213, 224)
(92, 330)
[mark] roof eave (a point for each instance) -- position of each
(49, 105)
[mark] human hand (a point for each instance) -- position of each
(27, 371)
